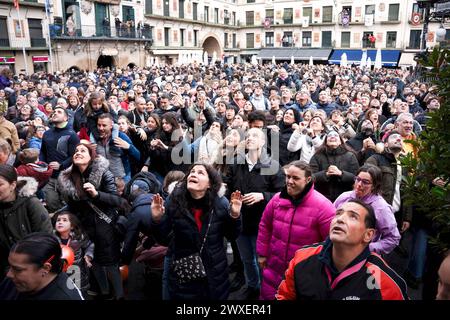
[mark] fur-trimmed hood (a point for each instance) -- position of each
(29, 188)
(66, 186)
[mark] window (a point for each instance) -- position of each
(181, 9)
(417, 9)
(234, 40)
(306, 39)
(345, 39)
(307, 12)
(366, 40)
(182, 32)
(206, 15)
(167, 37)
(327, 15)
(250, 40)
(4, 41)
(326, 39)
(393, 12)
(349, 11)
(370, 9)
(226, 17)
(225, 39)
(269, 14)
(194, 11)
(234, 18)
(287, 39)
(250, 1)
(216, 15)
(195, 38)
(269, 39)
(414, 39)
(148, 6)
(391, 39)
(288, 15)
(166, 8)
(35, 27)
(249, 18)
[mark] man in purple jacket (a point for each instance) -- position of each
(295, 217)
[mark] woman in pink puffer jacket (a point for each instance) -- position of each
(295, 217)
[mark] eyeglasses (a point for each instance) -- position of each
(363, 181)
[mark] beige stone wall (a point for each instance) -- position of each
(123, 53)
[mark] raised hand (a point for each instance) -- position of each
(236, 204)
(157, 208)
(252, 198)
(119, 142)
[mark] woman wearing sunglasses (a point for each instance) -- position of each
(367, 188)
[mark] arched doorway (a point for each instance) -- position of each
(211, 45)
(105, 61)
(131, 65)
(73, 69)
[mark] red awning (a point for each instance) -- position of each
(5, 60)
(40, 59)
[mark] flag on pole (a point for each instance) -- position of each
(16, 4)
(47, 6)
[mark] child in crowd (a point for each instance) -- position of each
(68, 230)
(32, 167)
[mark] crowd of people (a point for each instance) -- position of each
(292, 170)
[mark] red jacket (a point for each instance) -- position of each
(312, 276)
(39, 171)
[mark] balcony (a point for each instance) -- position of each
(39, 42)
(58, 31)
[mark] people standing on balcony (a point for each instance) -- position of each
(118, 25)
(106, 27)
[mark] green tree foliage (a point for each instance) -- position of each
(433, 159)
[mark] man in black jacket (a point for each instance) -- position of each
(392, 176)
(363, 143)
(258, 177)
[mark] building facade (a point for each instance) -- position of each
(24, 36)
(86, 34)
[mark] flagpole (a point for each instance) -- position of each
(47, 14)
(22, 35)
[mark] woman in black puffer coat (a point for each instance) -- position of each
(334, 167)
(89, 189)
(193, 212)
(290, 117)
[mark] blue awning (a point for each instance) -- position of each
(389, 58)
